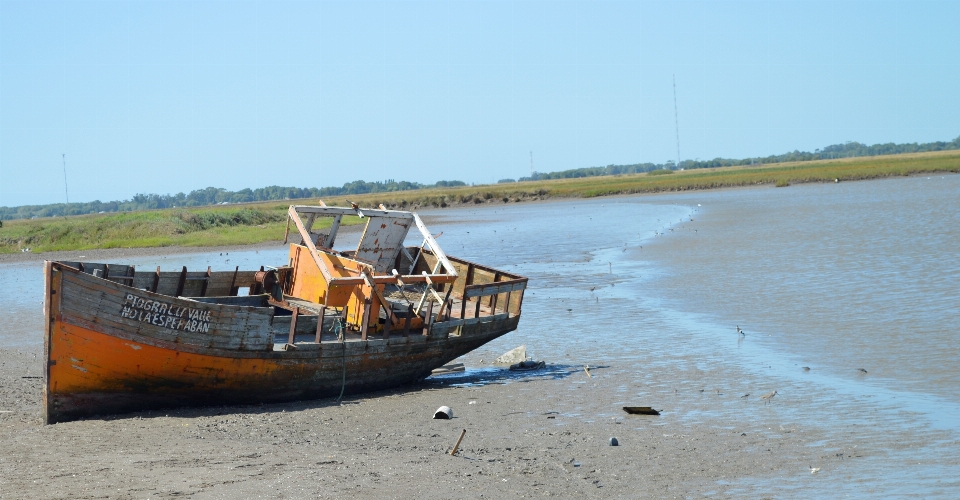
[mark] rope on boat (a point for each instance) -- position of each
(338, 328)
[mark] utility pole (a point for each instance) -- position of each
(66, 192)
(531, 165)
(676, 119)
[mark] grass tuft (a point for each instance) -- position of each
(661, 171)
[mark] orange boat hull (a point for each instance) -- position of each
(102, 360)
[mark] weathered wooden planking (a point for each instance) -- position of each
(306, 209)
(306, 324)
(164, 380)
(219, 282)
(91, 302)
(262, 300)
(219, 332)
(495, 288)
(381, 241)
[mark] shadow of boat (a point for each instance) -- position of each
(502, 375)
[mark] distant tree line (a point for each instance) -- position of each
(214, 196)
(846, 150)
(211, 196)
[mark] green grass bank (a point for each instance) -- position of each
(260, 222)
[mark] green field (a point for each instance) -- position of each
(260, 222)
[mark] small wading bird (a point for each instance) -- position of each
(814, 470)
(768, 396)
(741, 332)
(861, 370)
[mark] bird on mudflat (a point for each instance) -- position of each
(806, 368)
(768, 396)
(741, 332)
(861, 370)
(814, 470)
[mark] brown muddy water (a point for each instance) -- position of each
(651, 289)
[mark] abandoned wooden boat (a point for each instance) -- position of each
(121, 339)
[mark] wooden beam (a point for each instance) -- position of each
(308, 209)
(365, 319)
(434, 246)
(183, 281)
(308, 242)
(391, 319)
(494, 288)
(430, 287)
(323, 312)
(203, 288)
(309, 224)
(429, 319)
(293, 325)
(407, 320)
(334, 227)
(443, 304)
(392, 280)
(233, 282)
(476, 313)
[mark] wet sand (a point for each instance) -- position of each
(523, 439)
(537, 434)
(542, 434)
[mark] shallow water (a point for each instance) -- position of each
(835, 277)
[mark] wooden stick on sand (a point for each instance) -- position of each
(454, 450)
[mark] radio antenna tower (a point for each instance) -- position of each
(65, 191)
(676, 119)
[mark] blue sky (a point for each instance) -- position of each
(163, 97)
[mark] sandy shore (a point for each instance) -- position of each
(542, 434)
(522, 440)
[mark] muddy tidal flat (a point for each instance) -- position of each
(645, 290)
(539, 435)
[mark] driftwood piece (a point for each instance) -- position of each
(456, 446)
(640, 410)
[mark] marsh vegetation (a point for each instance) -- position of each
(259, 222)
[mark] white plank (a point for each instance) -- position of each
(434, 246)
